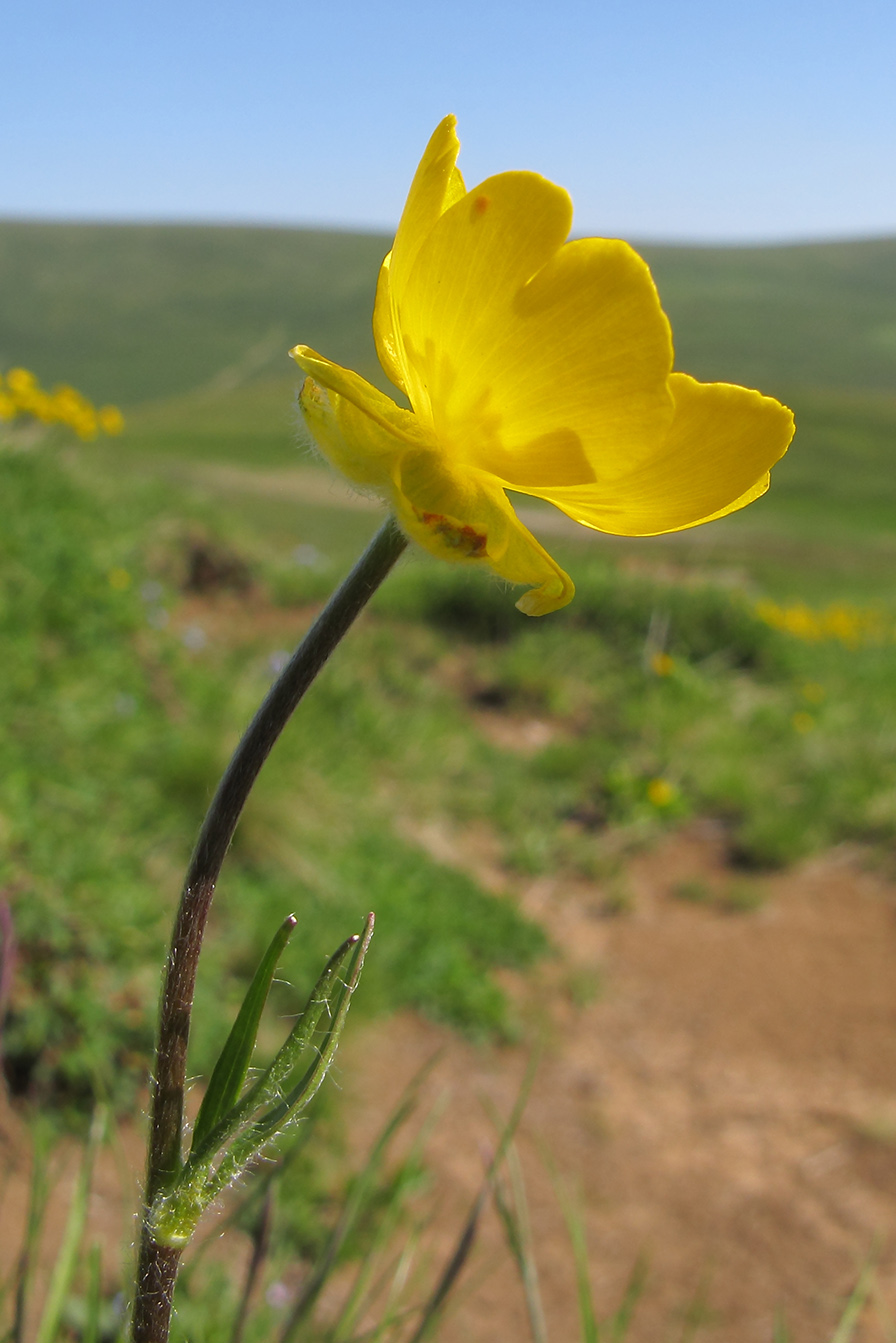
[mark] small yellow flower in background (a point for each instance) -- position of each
(119, 579)
(802, 722)
(848, 625)
(661, 793)
(110, 420)
(21, 382)
(532, 364)
(661, 664)
(813, 692)
(23, 395)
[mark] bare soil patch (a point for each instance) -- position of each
(725, 1106)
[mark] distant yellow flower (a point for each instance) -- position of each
(23, 395)
(845, 624)
(119, 579)
(660, 793)
(661, 664)
(111, 420)
(21, 382)
(531, 364)
(813, 692)
(802, 722)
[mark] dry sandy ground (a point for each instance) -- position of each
(726, 1105)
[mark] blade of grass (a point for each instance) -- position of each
(433, 1307)
(575, 1227)
(94, 1306)
(514, 1216)
(351, 1210)
(361, 1291)
(697, 1312)
(69, 1252)
(37, 1203)
(364, 1289)
(780, 1332)
(393, 1312)
(261, 1244)
(230, 1071)
(620, 1321)
(857, 1301)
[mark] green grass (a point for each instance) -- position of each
(115, 732)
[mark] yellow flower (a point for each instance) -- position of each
(111, 420)
(21, 382)
(119, 579)
(660, 793)
(661, 664)
(530, 364)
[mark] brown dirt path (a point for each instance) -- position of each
(726, 1105)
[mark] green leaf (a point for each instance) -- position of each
(270, 1085)
(857, 1301)
(175, 1212)
(69, 1251)
(230, 1071)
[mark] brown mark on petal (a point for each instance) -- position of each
(480, 204)
(459, 536)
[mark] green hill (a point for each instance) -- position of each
(188, 326)
(132, 312)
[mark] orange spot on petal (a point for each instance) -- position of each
(481, 204)
(460, 537)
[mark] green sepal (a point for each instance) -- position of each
(233, 1063)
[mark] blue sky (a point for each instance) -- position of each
(681, 120)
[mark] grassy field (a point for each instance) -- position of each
(129, 674)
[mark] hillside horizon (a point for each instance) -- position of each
(137, 311)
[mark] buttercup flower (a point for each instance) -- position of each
(532, 364)
(23, 395)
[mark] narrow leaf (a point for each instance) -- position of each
(37, 1204)
(575, 1227)
(433, 1307)
(856, 1303)
(176, 1212)
(70, 1249)
(250, 1143)
(93, 1318)
(514, 1216)
(620, 1321)
(357, 1200)
(230, 1071)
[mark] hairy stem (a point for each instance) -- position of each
(158, 1264)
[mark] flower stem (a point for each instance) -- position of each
(157, 1269)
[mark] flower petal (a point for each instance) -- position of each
(437, 184)
(357, 427)
(539, 362)
(465, 516)
(715, 459)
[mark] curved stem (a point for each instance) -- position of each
(158, 1264)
